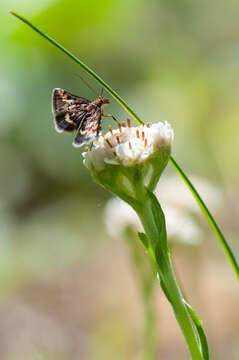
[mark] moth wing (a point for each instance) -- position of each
(89, 129)
(69, 110)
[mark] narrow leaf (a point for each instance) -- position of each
(143, 238)
(201, 334)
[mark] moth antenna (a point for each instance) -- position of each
(86, 83)
(102, 91)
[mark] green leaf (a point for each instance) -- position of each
(143, 238)
(158, 221)
(196, 320)
(201, 334)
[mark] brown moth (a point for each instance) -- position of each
(74, 113)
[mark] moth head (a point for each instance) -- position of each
(101, 101)
(105, 101)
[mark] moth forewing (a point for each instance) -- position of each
(74, 113)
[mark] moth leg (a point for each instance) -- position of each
(109, 115)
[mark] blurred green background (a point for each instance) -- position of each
(67, 290)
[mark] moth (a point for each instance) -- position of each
(74, 113)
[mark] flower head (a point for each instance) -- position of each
(128, 145)
(128, 161)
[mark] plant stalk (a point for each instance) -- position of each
(155, 234)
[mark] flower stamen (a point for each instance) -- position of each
(148, 125)
(137, 133)
(117, 139)
(130, 145)
(120, 128)
(143, 135)
(128, 122)
(110, 129)
(123, 124)
(109, 143)
(145, 143)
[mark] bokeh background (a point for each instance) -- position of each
(68, 290)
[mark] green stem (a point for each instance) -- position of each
(167, 275)
(209, 218)
(202, 205)
(156, 233)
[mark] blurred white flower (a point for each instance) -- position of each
(119, 215)
(172, 190)
(178, 205)
(180, 226)
(128, 145)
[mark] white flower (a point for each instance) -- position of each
(128, 145)
(181, 227)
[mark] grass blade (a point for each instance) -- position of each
(84, 66)
(209, 217)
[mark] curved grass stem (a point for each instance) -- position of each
(115, 95)
(209, 218)
(83, 65)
